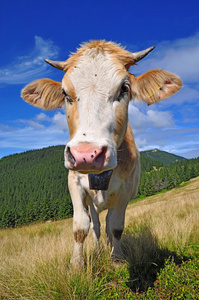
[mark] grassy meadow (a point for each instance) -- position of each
(160, 242)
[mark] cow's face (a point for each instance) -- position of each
(97, 95)
(96, 90)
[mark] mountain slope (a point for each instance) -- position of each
(162, 156)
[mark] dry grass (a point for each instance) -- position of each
(172, 217)
(33, 255)
(34, 260)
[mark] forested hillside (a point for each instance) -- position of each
(33, 185)
(167, 177)
(163, 156)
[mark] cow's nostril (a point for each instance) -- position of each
(70, 156)
(102, 155)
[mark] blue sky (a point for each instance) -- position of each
(33, 30)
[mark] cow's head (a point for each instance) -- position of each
(96, 89)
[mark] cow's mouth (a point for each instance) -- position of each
(100, 181)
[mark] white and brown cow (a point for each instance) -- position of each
(101, 154)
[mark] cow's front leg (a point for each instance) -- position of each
(81, 220)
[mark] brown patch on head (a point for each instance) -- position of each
(117, 52)
(72, 118)
(79, 236)
(122, 58)
(121, 117)
(72, 113)
(127, 154)
(68, 86)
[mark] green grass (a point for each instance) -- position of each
(141, 197)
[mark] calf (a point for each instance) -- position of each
(101, 155)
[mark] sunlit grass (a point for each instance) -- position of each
(34, 259)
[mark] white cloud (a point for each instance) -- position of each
(159, 129)
(28, 67)
(36, 133)
(59, 121)
(142, 118)
(32, 124)
(177, 140)
(160, 119)
(42, 117)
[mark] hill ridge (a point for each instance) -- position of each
(163, 156)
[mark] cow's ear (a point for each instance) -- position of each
(44, 93)
(155, 85)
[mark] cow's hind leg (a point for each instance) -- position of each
(108, 230)
(95, 225)
(116, 224)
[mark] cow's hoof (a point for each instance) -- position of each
(117, 260)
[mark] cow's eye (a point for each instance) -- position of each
(67, 97)
(125, 88)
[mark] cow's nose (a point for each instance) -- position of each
(86, 156)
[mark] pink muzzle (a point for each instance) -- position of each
(86, 156)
